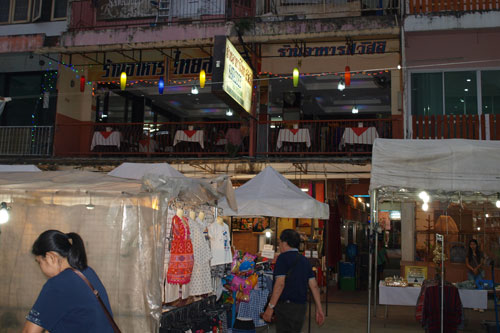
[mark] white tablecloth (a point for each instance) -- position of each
(408, 296)
(106, 139)
(293, 135)
(184, 135)
(359, 135)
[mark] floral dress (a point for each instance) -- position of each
(181, 261)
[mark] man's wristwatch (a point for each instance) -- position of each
(271, 305)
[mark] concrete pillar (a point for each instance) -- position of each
(408, 231)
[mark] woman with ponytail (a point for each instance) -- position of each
(66, 303)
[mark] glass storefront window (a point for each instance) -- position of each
(490, 91)
(427, 94)
(460, 91)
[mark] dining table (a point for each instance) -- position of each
(189, 136)
(294, 135)
(358, 135)
(106, 138)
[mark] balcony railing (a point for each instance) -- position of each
(85, 14)
(202, 139)
(433, 6)
(483, 127)
(325, 8)
(89, 14)
(26, 140)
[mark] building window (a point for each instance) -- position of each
(490, 91)
(460, 90)
(455, 93)
(427, 94)
(23, 11)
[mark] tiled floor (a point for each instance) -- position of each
(347, 312)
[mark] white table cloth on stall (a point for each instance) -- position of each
(185, 135)
(300, 135)
(359, 135)
(106, 139)
(471, 298)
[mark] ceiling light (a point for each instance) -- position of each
(194, 90)
(425, 206)
(424, 196)
(90, 206)
(341, 85)
(497, 203)
(469, 80)
(229, 112)
(305, 189)
(486, 215)
(478, 228)
(4, 213)
(355, 109)
(367, 204)
(466, 89)
(399, 66)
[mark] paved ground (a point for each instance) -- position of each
(347, 312)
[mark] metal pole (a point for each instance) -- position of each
(375, 275)
(372, 218)
(441, 239)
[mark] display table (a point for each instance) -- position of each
(299, 135)
(358, 135)
(103, 138)
(474, 299)
(189, 136)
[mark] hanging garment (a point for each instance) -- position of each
(220, 243)
(181, 261)
(201, 280)
(431, 314)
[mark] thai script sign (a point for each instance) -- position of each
(369, 47)
(189, 65)
(134, 70)
(123, 9)
(237, 77)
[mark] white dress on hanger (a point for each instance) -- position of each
(201, 281)
(220, 243)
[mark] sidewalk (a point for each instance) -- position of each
(351, 316)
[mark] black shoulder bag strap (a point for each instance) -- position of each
(297, 257)
(96, 293)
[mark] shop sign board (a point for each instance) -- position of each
(330, 49)
(235, 74)
(143, 70)
(415, 274)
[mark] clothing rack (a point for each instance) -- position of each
(183, 318)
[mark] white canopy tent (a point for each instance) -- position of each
(138, 170)
(271, 194)
(18, 168)
(450, 170)
(443, 165)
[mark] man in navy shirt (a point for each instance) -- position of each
(292, 275)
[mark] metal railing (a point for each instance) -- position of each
(199, 139)
(433, 6)
(85, 15)
(26, 140)
(475, 127)
(325, 8)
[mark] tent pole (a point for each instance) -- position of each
(373, 209)
(375, 268)
(325, 246)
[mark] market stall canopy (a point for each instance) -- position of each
(139, 170)
(18, 168)
(66, 181)
(445, 165)
(271, 194)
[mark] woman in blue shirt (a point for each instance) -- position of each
(66, 303)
